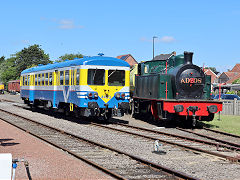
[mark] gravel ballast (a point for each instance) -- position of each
(202, 166)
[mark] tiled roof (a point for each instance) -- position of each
(128, 58)
(163, 57)
(231, 74)
(211, 73)
(233, 78)
(123, 57)
(236, 68)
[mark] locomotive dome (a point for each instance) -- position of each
(94, 60)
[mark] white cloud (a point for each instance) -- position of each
(63, 23)
(167, 39)
(68, 24)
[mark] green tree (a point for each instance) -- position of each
(69, 57)
(8, 70)
(31, 56)
(2, 59)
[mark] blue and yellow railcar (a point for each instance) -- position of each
(90, 86)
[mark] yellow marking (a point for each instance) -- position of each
(127, 78)
(71, 106)
(74, 76)
(106, 92)
(21, 81)
(70, 77)
(83, 77)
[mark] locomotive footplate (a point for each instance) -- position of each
(192, 107)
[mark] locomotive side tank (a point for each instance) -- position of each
(175, 88)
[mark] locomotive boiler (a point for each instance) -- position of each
(173, 89)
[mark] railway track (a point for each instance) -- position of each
(114, 162)
(229, 152)
(218, 136)
(216, 147)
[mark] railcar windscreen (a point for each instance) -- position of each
(96, 77)
(116, 77)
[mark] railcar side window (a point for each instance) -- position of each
(50, 79)
(61, 77)
(39, 79)
(67, 77)
(42, 79)
(116, 77)
(46, 79)
(36, 79)
(96, 77)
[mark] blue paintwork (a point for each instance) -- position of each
(73, 98)
(95, 60)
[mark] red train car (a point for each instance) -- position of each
(14, 86)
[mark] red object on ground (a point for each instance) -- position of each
(45, 161)
(14, 86)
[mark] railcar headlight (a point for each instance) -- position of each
(117, 95)
(123, 95)
(95, 95)
(90, 95)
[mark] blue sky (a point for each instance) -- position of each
(208, 28)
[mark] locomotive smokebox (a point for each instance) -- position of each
(188, 57)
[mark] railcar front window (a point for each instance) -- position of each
(116, 77)
(96, 77)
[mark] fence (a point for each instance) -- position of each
(231, 107)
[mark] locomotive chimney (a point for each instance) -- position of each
(188, 57)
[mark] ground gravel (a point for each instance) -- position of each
(197, 165)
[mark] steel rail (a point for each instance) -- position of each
(230, 158)
(233, 147)
(215, 139)
(70, 152)
(154, 165)
(220, 132)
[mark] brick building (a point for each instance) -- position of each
(230, 76)
(129, 59)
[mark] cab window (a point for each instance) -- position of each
(116, 77)
(96, 77)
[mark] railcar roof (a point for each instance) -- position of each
(95, 60)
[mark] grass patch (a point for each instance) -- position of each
(228, 123)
